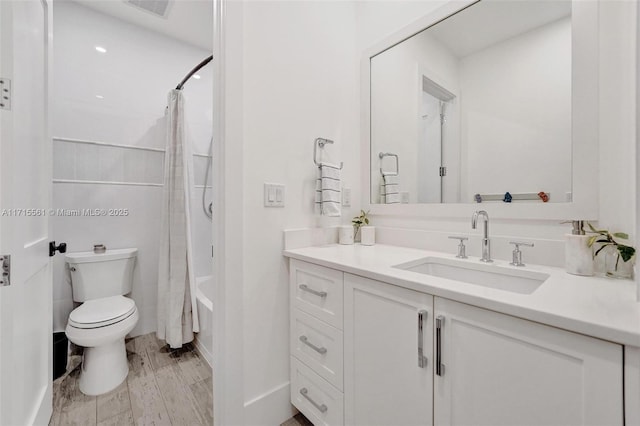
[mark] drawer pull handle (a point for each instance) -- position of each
(322, 294)
(439, 365)
(304, 340)
(321, 407)
(422, 360)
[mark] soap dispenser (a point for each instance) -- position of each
(578, 255)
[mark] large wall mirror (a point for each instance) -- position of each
(479, 106)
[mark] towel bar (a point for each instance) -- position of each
(389, 154)
(321, 142)
(526, 196)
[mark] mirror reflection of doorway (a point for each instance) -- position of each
(433, 110)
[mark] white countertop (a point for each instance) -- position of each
(596, 306)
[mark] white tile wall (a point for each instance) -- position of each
(87, 165)
(199, 169)
(64, 160)
(76, 160)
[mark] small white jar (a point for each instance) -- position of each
(368, 235)
(345, 234)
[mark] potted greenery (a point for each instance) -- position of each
(614, 251)
(359, 221)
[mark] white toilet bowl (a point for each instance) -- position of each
(100, 326)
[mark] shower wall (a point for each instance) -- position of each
(118, 100)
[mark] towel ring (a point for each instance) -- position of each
(321, 142)
(389, 154)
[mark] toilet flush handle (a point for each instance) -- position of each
(72, 269)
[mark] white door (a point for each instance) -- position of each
(429, 157)
(501, 370)
(25, 197)
(384, 328)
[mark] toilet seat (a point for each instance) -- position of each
(103, 312)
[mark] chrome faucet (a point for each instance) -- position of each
(486, 247)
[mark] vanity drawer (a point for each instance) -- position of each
(320, 402)
(317, 290)
(318, 345)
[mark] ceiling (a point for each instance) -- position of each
(190, 21)
(491, 21)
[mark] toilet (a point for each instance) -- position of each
(100, 282)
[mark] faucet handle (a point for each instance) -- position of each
(517, 254)
(462, 249)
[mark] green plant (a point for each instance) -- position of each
(606, 239)
(359, 221)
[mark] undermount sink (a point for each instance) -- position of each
(492, 276)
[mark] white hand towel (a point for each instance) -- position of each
(328, 190)
(390, 189)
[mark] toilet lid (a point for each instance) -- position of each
(102, 312)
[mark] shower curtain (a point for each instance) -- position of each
(177, 316)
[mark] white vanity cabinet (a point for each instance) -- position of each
(316, 342)
(501, 370)
(365, 352)
(388, 354)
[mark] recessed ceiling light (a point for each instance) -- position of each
(196, 76)
(99, 96)
(101, 49)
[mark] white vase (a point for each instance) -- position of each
(368, 235)
(615, 266)
(345, 234)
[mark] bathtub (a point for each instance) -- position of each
(204, 339)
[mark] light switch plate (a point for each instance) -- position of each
(273, 195)
(404, 197)
(346, 197)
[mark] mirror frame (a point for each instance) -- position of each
(584, 127)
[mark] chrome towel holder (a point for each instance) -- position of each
(389, 154)
(321, 142)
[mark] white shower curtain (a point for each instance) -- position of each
(177, 316)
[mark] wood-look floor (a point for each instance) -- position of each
(163, 388)
(297, 420)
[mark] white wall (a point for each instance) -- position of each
(299, 82)
(133, 78)
(508, 144)
(637, 147)
(617, 115)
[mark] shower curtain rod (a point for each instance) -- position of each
(193, 71)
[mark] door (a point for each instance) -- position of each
(25, 197)
(429, 155)
(388, 365)
(501, 370)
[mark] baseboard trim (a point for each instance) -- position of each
(204, 353)
(271, 408)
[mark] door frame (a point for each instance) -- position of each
(228, 302)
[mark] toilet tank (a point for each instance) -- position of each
(97, 275)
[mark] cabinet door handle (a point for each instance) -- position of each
(422, 360)
(304, 287)
(304, 340)
(439, 365)
(321, 407)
